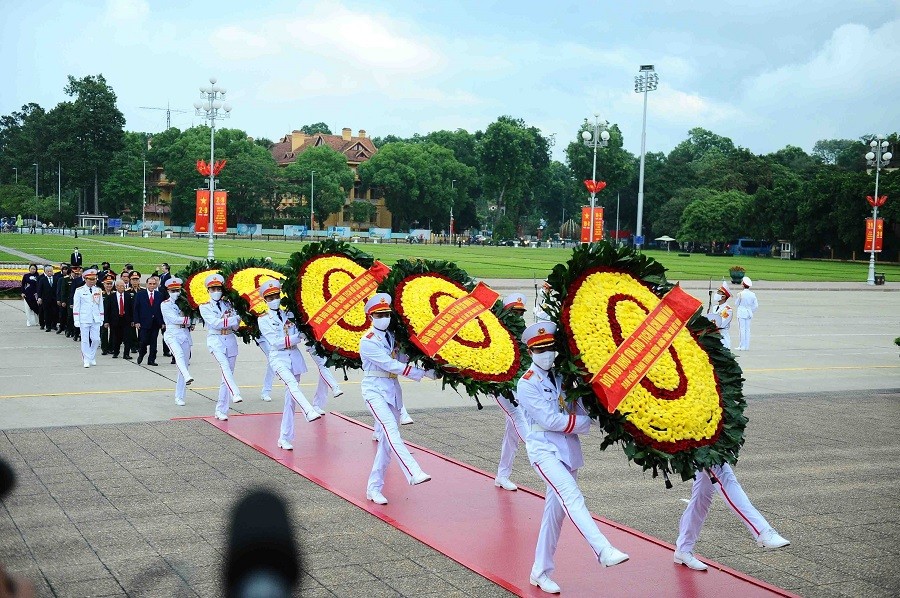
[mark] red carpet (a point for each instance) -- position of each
(463, 515)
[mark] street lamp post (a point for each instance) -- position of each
(144, 201)
(644, 83)
(597, 137)
(452, 187)
(878, 157)
(312, 196)
(209, 108)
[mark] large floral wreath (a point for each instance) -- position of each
(687, 412)
(484, 357)
(242, 280)
(318, 272)
(193, 289)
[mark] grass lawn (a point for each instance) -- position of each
(482, 262)
(15, 259)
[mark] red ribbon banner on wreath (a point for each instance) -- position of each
(631, 361)
(876, 203)
(354, 293)
(452, 318)
(595, 186)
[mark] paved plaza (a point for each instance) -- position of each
(116, 498)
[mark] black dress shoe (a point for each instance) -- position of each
(173, 361)
(104, 352)
(153, 363)
(167, 355)
(140, 358)
(49, 330)
(60, 331)
(128, 357)
(115, 355)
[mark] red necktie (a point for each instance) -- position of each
(121, 305)
(151, 299)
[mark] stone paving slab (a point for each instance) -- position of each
(141, 509)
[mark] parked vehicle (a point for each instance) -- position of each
(749, 247)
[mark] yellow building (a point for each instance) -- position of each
(357, 150)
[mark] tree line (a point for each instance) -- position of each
(706, 189)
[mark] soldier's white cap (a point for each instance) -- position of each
(214, 280)
(174, 283)
(723, 290)
(378, 302)
(747, 282)
(270, 287)
(89, 273)
(539, 334)
(514, 301)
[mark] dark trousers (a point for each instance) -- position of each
(147, 340)
(105, 345)
(47, 315)
(118, 334)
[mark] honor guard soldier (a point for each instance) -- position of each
(721, 314)
(87, 310)
(221, 321)
(283, 339)
(177, 335)
(706, 483)
(746, 304)
(515, 425)
(554, 450)
(380, 387)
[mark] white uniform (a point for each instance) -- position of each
(221, 321)
(281, 335)
(326, 384)
(701, 498)
(381, 391)
(513, 436)
(721, 316)
(555, 452)
(269, 378)
(87, 312)
(177, 336)
(746, 305)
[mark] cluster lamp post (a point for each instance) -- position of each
(644, 83)
(597, 137)
(210, 108)
(878, 157)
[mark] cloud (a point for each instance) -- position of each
(126, 11)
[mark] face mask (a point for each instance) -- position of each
(215, 295)
(174, 295)
(274, 304)
(381, 323)
(717, 297)
(544, 360)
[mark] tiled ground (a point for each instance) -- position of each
(142, 509)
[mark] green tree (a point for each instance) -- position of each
(361, 212)
(503, 228)
(668, 217)
(315, 128)
(124, 186)
(13, 198)
(333, 179)
(417, 182)
(615, 165)
(560, 195)
(514, 159)
(249, 178)
(713, 216)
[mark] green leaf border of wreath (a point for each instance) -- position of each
(405, 268)
(291, 285)
(250, 331)
(727, 370)
(184, 300)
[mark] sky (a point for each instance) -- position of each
(766, 73)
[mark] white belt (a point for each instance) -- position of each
(222, 332)
(379, 374)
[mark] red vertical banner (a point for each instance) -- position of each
(586, 224)
(879, 235)
(201, 220)
(220, 212)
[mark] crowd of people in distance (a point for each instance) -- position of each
(115, 313)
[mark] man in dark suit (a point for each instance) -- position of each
(47, 299)
(75, 258)
(148, 320)
(77, 281)
(164, 276)
(118, 309)
(61, 294)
